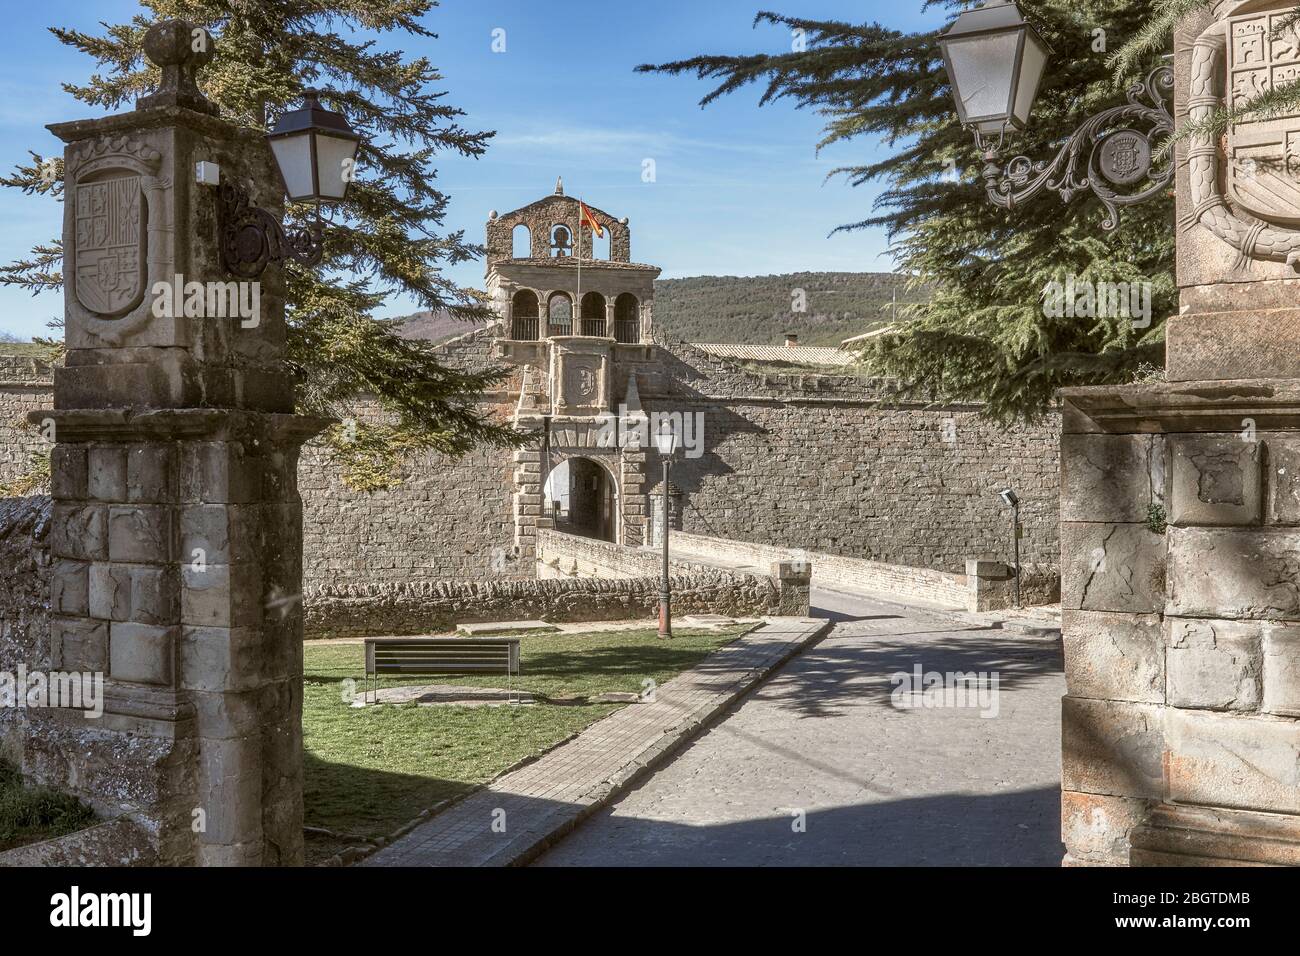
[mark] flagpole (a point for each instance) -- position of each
(577, 305)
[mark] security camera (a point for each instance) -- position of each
(1009, 496)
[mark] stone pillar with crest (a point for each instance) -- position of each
(177, 538)
(1180, 507)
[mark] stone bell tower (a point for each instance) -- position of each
(579, 322)
(177, 539)
(1180, 508)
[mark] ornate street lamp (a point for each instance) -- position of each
(995, 61)
(316, 152)
(667, 441)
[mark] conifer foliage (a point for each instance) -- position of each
(984, 334)
(385, 239)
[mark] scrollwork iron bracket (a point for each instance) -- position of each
(251, 238)
(1112, 151)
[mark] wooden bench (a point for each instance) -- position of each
(440, 655)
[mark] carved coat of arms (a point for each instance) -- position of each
(109, 249)
(1264, 154)
(586, 382)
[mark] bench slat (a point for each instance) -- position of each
(441, 655)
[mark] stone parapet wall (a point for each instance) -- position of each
(434, 607)
(24, 604)
(26, 385)
(988, 589)
(561, 555)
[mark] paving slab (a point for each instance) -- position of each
(444, 695)
(494, 628)
(522, 812)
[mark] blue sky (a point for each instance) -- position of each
(739, 190)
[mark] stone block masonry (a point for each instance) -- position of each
(827, 463)
(1180, 741)
(175, 558)
(797, 461)
(26, 385)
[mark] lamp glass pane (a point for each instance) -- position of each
(331, 153)
(1031, 75)
(982, 69)
(666, 439)
(293, 156)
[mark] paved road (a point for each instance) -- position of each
(819, 767)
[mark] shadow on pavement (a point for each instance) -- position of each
(1020, 828)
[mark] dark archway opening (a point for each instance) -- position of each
(524, 316)
(582, 498)
(593, 314)
(627, 319)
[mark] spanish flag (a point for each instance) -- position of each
(585, 218)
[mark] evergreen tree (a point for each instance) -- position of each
(984, 334)
(385, 239)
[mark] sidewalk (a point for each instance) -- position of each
(522, 812)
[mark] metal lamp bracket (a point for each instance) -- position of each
(1111, 152)
(250, 238)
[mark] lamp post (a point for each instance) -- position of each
(316, 152)
(1011, 498)
(667, 441)
(995, 61)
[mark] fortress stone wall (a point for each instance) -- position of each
(823, 463)
(793, 460)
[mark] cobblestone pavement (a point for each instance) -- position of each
(821, 746)
(524, 809)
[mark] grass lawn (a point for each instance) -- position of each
(32, 814)
(369, 770)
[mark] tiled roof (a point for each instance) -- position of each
(867, 336)
(791, 354)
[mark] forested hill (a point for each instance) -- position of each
(759, 310)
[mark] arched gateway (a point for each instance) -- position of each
(580, 365)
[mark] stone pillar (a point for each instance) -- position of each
(1181, 513)
(991, 584)
(794, 587)
(177, 530)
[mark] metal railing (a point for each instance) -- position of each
(627, 331)
(594, 327)
(524, 329)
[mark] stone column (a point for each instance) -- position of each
(794, 586)
(177, 531)
(1181, 513)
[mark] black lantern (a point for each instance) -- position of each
(995, 61)
(316, 151)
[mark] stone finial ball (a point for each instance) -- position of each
(623, 221)
(492, 215)
(174, 42)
